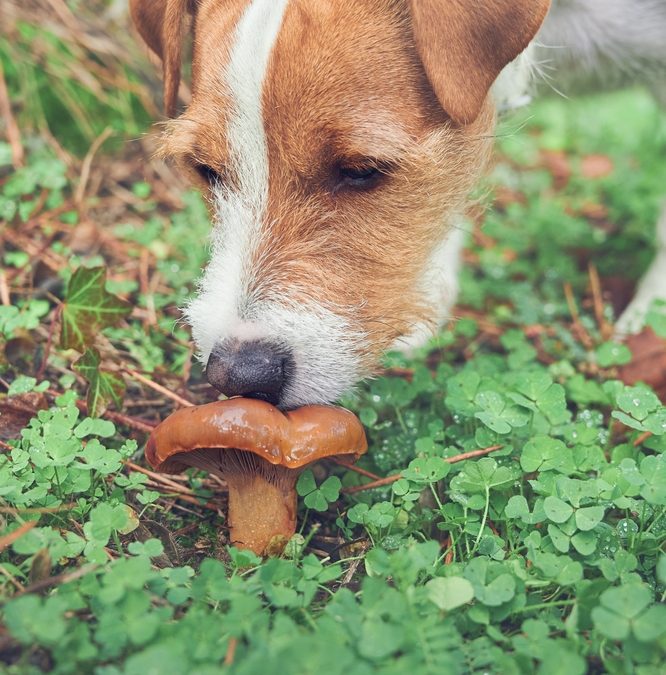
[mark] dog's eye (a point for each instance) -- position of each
(208, 173)
(359, 176)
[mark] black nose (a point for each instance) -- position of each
(256, 369)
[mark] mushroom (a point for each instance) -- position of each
(260, 452)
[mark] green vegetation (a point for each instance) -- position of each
(541, 551)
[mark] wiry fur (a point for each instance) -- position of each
(336, 274)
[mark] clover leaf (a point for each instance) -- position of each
(318, 498)
(625, 610)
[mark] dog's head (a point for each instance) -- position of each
(336, 140)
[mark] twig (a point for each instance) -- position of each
(356, 469)
(642, 438)
(231, 651)
(583, 335)
(159, 388)
(57, 580)
(132, 422)
(38, 509)
(87, 163)
(10, 538)
(4, 289)
(17, 584)
(159, 477)
(388, 480)
(13, 133)
(595, 284)
(351, 571)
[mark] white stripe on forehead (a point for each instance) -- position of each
(241, 212)
(255, 37)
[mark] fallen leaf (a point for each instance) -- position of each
(557, 163)
(648, 363)
(17, 411)
(596, 166)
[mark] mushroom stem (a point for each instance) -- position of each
(262, 513)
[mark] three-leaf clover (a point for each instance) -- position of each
(318, 498)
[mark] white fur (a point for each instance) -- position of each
(324, 347)
(440, 287)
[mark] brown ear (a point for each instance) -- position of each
(161, 25)
(464, 44)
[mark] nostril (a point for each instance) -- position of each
(256, 369)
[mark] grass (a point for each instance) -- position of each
(516, 523)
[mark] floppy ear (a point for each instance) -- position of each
(161, 25)
(464, 44)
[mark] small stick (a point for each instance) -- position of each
(38, 509)
(57, 580)
(642, 438)
(10, 538)
(159, 477)
(357, 469)
(159, 388)
(87, 163)
(4, 289)
(388, 480)
(231, 651)
(583, 335)
(595, 284)
(17, 584)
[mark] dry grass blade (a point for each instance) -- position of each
(9, 539)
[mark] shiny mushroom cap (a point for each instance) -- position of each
(292, 440)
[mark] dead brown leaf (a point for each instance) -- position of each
(648, 363)
(596, 166)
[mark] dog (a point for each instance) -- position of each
(337, 142)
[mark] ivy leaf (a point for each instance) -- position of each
(104, 386)
(89, 308)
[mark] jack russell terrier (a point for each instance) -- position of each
(337, 142)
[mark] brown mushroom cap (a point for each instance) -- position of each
(260, 452)
(293, 439)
